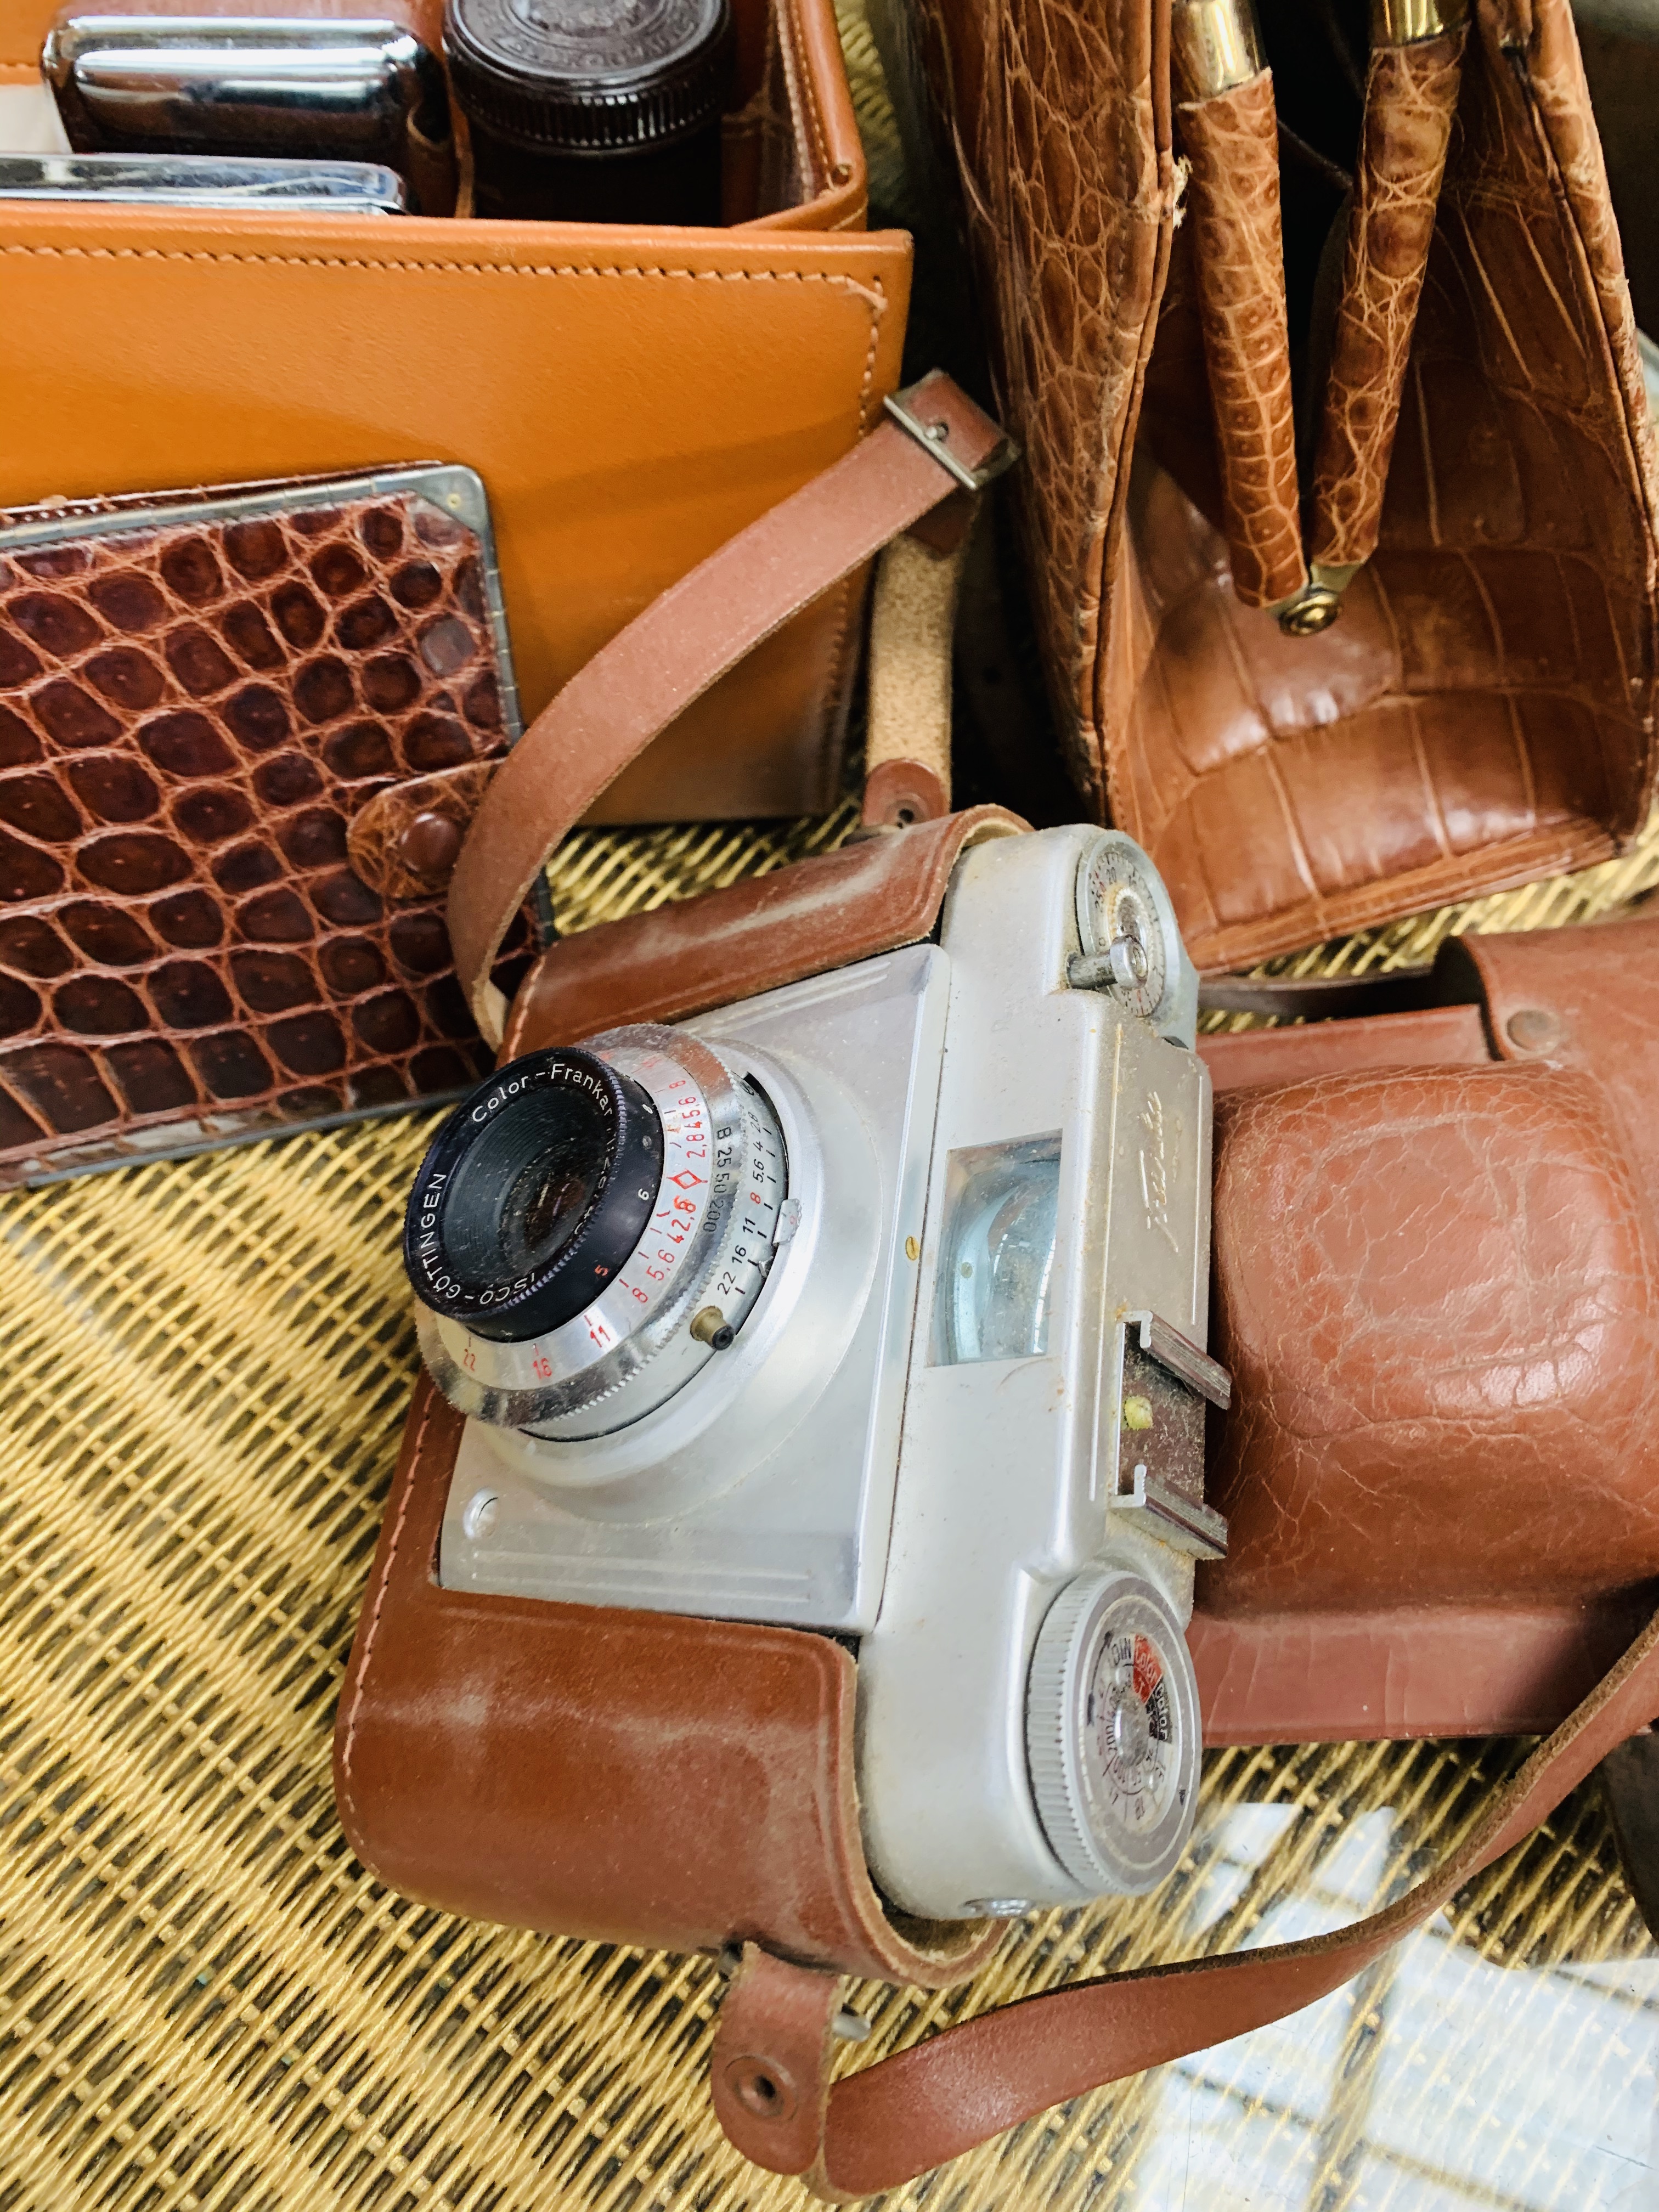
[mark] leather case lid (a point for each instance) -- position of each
(630, 402)
(1436, 1272)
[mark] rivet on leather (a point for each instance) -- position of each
(1534, 1030)
(770, 2071)
(761, 2089)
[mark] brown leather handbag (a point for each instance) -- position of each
(1291, 326)
(1437, 1271)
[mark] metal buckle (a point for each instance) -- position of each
(935, 437)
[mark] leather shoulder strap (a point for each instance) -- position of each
(935, 444)
(883, 2124)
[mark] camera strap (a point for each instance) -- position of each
(934, 447)
(881, 2126)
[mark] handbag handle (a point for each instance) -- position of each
(1230, 126)
(1412, 89)
(935, 445)
(881, 2126)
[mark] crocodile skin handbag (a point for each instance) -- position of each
(1293, 328)
(1437, 1271)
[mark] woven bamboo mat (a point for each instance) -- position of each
(205, 2003)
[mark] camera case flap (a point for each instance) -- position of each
(1436, 1287)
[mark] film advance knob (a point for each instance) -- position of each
(1112, 1734)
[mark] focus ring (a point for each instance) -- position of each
(718, 1135)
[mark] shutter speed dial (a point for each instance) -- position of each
(1127, 929)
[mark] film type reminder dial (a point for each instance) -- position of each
(1127, 927)
(590, 1227)
(1113, 1734)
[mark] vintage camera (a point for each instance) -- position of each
(874, 1306)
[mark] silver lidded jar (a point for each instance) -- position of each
(594, 111)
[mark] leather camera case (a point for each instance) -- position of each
(630, 398)
(1482, 711)
(1436, 1287)
(1437, 1277)
(1436, 1259)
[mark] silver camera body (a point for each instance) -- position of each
(907, 1350)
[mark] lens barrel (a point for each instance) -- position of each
(534, 1194)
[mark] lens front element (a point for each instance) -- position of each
(534, 1195)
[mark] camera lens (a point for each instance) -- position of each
(534, 1193)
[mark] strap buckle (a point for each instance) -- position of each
(945, 423)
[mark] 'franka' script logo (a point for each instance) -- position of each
(1155, 1170)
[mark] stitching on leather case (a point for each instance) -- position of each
(380, 1601)
(872, 293)
(876, 314)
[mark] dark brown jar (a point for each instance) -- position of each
(594, 111)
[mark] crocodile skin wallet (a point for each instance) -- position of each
(198, 692)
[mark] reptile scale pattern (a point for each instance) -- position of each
(1482, 713)
(207, 2006)
(1238, 253)
(189, 717)
(1411, 99)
